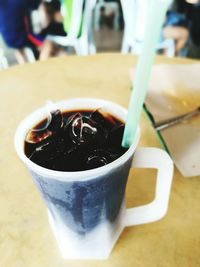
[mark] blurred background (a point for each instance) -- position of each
(33, 30)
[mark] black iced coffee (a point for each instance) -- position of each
(75, 140)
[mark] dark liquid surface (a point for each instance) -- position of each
(75, 140)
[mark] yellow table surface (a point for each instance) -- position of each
(25, 236)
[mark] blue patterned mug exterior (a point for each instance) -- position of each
(86, 209)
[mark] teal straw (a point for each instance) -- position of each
(156, 17)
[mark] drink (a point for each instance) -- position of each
(86, 208)
(75, 140)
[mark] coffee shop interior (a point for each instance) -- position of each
(139, 58)
(38, 29)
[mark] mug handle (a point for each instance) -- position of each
(157, 159)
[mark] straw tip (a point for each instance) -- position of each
(125, 143)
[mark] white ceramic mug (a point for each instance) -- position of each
(86, 209)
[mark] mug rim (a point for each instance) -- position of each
(25, 125)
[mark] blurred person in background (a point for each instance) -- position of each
(51, 18)
(177, 25)
(183, 25)
(16, 28)
(194, 42)
(51, 24)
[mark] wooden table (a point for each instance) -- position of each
(25, 236)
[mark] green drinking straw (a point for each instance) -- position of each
(156, 17)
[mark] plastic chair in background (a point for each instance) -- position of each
(109, 7)
(3, 60)
(135, 19)
(4, 64)
(78, 24)
(29, 55)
